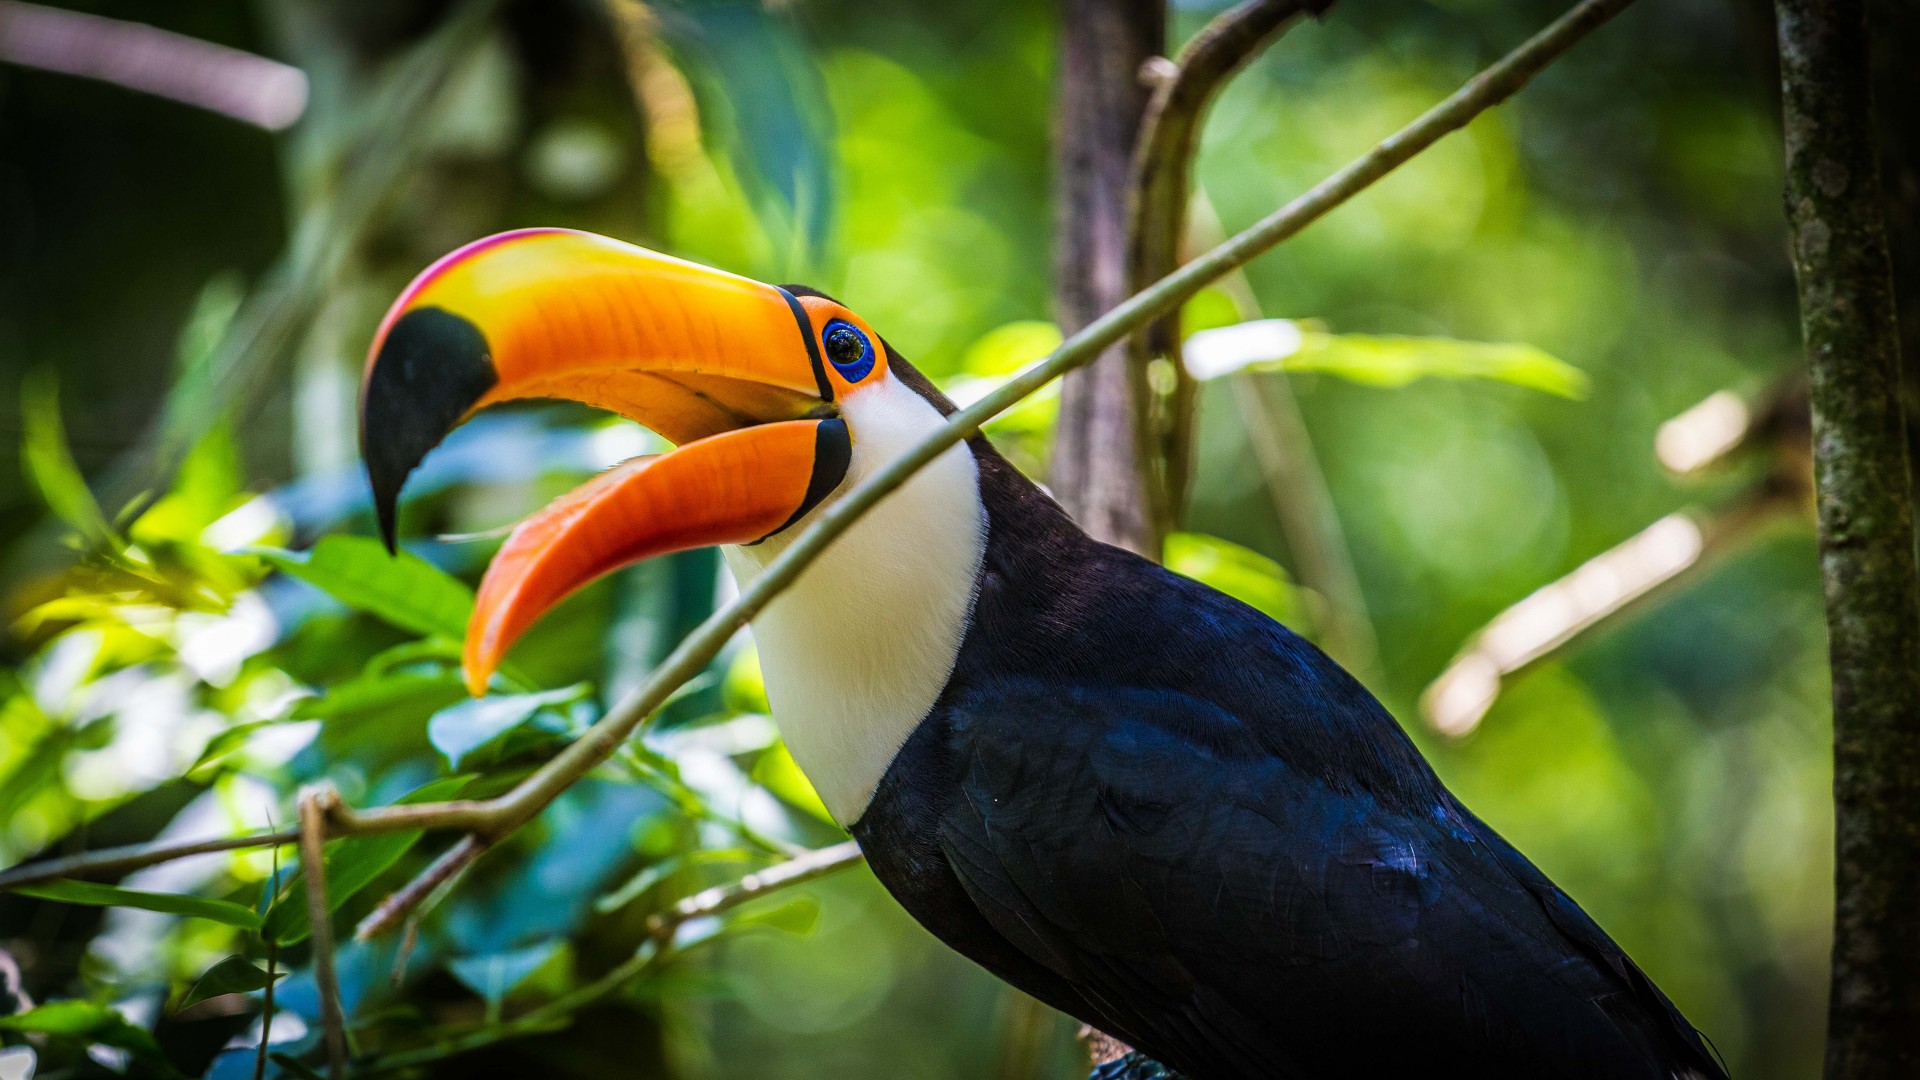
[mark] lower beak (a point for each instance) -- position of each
(725, 367)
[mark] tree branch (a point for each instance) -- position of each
(1865, 499)
(313, 841)
(1162, 178)
(492, 819)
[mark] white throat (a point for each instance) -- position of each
(858, 648)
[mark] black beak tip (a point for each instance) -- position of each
(431, 369)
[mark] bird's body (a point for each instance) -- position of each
(1156, 809)
(1131, 796)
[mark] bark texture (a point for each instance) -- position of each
(1836, 220)
(1096, 454)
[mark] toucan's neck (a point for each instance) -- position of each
(857, 650)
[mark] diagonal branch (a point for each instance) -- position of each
(1162, 181)
(492, 819)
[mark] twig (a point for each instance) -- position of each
(266, 1012)
(1862, 477)
(252, 89)
(110, 862)
(1162, 177)
(1297, 488)
(326, 982)
(721, 898)
(492, 819)
(1599, 591)
(394, 908)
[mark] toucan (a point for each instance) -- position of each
(1131, 796)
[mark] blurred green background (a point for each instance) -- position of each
(185, 300)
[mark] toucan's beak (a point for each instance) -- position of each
(727, 368)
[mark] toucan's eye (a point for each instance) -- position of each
(849, 349)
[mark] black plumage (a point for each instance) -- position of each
(1162, 812)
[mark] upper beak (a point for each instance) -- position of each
(726, 364)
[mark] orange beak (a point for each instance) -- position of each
(728, 369)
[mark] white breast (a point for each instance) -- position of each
(858, 648)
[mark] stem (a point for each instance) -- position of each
(114, 861)
(313, 840)
(1865, 502)
(266, 1012)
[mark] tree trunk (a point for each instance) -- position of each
(1835, 215)
(1096, 471)
(1096, 454)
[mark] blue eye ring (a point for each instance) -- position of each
(848, 348)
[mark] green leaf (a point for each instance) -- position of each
(1396, 361)
(49, 462)
(779, 773)
(494, 975)
(92, 1022)
(1242, 573)
(1008, 348)
(352, 864)
(1375, 359)
(402, 589)
(466, 726)
(234, 975)
(227, 742)
(798, 915)
(94, 894)
(372, 695)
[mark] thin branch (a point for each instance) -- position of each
(1600, 591)
(493, 819)
(266, 1011)
(1862, 476)
(252, 89)
(326, 982)
(722, 898)
(1297, 487)
(1162, 180)
(451, 864)
(114, 861)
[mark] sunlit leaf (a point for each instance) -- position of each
(372, 694)
(1377, 360)
(49, 462)
(91, 1022)
(798, 915)
(352, 864)
(462, 728)
(1242, 573)
(1008, 348)
(777, 772)
(402, 589)
(94, 894)
(227, 742)
(233, 975)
